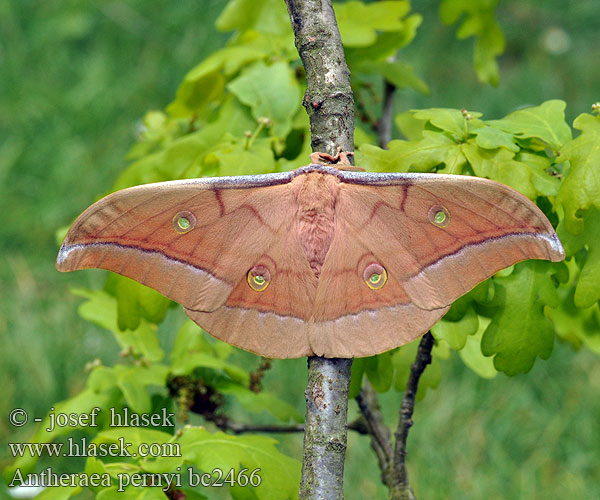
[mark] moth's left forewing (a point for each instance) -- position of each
(195, 242)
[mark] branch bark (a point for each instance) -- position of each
(329, 102)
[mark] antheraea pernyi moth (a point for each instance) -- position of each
(318, 261)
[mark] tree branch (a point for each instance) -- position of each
(325, 435)
(329, 102)
(357, 425)
(380, 434)
(387, 112)
(400, 489)
(385, 124)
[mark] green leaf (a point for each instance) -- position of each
(190, 339)
(574, 324)
(271, 91)
(128, 306)
(132, 493)
(168, 460)
(410, 127)
(545, 122)
(59, 493)
(203, 85)
(545, 183)
(116, 468)
(280, 474)
(197, 94)
(229, 59)
(489, 45)
(266, 16)
(162, 464)
(480, 23)
(136, 301)
(358, 22)
(455, 161)
(201, 360)
(361, 136)
(380, 371)
(94, 466)
(193, 350)
(259, 402)
(402, 156)
(450, 120)
(236, 159)
(155, 131)
(134, 380)
(500, 165)
(519, 331)
(587, 291)
(386, 44)
(481, 294)
(581, 188)
(135, 435)
(153, 305)
(473, 357)
(100, 308)
(455, 333)
(359, 366)
(493, 138)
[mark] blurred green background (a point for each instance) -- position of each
(75, 79)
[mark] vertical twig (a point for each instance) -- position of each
(387, 111)
(401, 490)
(392, 462)
(329, 103)
(385, 124)
(380, 434)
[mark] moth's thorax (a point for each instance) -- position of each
(316, 196)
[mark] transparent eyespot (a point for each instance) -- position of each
(375, 276)
(184, 221)
(439, 216)
(259, 278)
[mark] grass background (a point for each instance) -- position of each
(75, 78)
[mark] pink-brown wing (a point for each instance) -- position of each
(436, 237)
(230, 226)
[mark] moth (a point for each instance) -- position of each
(323, 260)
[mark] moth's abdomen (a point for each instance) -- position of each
(315, 216)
